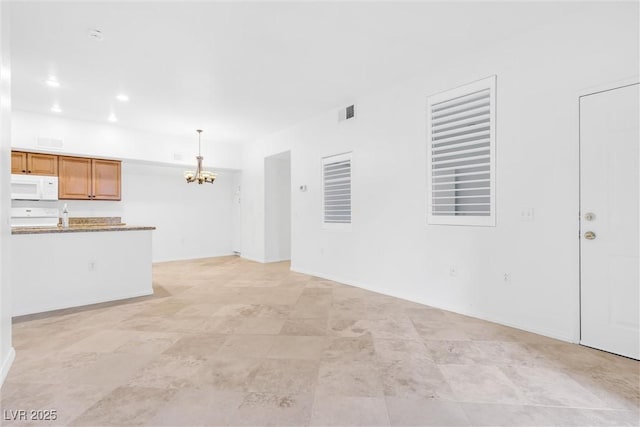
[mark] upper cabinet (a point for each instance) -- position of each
(106, 179)
(34, 163)
(79, 178)
(18, 162)
(89, 179)
(74, 178)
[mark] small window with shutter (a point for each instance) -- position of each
(336, 191)
(461, 155)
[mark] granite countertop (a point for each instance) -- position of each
(84, 224)
(78, 229)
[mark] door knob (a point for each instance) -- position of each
(589, 235)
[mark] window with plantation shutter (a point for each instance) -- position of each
(336, 191)
(461, 155)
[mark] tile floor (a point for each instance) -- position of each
(226, 341)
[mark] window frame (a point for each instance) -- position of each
(331, 159)
(465, 220)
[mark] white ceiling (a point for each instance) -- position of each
(239, 70)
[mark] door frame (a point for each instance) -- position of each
(267, 195)
(594, 90)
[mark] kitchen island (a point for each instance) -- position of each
(54, 268)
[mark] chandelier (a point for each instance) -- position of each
(200, 175)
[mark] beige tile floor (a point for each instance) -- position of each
(231, 342)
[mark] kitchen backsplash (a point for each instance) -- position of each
(77, 208)
(96, 220)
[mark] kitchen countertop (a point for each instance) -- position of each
(79, 229)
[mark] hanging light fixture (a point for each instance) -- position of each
(200, 176)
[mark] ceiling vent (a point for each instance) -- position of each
(347, 113)
(51, 143)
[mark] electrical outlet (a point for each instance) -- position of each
(92, 265)
(526, 214)
(507, 277)
(453, 270)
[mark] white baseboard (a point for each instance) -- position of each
(458, 310)
(6, 365)
(188, 258)
(44, 309)
(261, 261)
(277, 260)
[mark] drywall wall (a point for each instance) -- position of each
(540, 75)
(277, 191)
(7, 353)
(112, 141)
(192, 220)
(77, 269)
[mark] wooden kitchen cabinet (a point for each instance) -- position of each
(74, 178)
(34, 163)
(42, 164)
(18, 162)
(88, 179)
(106, 179)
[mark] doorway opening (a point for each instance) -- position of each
(277, 207)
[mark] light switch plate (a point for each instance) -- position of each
(453, 270)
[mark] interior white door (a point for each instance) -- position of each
(609, 220)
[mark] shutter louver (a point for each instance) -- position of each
(336, 176)
(461, 152)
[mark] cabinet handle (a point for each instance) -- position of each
(24, 171)
(28, 171)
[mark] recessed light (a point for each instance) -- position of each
(112, 118)
(52, 82)
(122, 97)
(56, 108)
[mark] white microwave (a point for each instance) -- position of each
(34, 187)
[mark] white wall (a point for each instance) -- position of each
(106, 140)
(7, 352)
(76, 269)
(192, 220)
(391, 250)
(277, 218)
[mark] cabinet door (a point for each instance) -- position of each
(106, 179)
(18, 162)
(74, 179)
(42, 164)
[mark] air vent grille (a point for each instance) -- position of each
(347, 113)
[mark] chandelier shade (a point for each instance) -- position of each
(199, 175)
